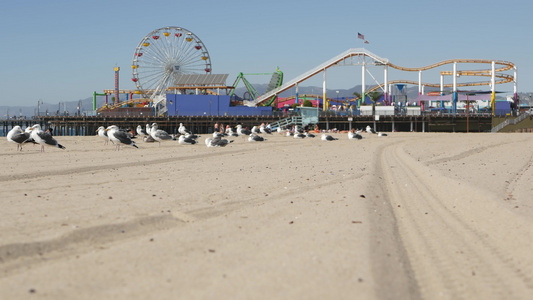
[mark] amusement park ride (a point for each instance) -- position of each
(166, 54)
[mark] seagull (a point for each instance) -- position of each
(218, 134)
(159, 135)
(148, 129)
(118, 137)
(280, 130)
(183, 130)
(288, 133)
(326, 137)
(255, 138)
(299, 135)
(230, 132)
(369, 129)
(43, 138)
(255, 129)
(192, 136)
(141, 131)
(103, 134)
(184, 140)
(382, 134)
(309, 135)
(217, 142)
(264, 129)
(17, 136)
(243, 131)
(148, 139)
(354, 136)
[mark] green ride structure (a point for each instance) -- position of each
(275, 81)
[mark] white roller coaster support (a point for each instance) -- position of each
(493, 77)
(363, 83)
(420, 82)
(324, 91)
(385, 83)
(455, 77)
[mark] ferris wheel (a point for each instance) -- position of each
(164, 54)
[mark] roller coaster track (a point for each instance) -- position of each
(365, 57)
(120, 104)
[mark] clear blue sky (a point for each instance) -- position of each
(65, 50)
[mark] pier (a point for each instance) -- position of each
(87, 126)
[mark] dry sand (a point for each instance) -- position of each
(407, 216)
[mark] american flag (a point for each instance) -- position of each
(360, 36)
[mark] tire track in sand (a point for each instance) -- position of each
(451, 259)
(18, 256)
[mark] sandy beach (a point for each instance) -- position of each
(407, 216)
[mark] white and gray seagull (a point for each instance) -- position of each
(255, 138)
(217, 142)
(159, 135)
(119, 137)
(103, 134)
(186, 140)
(141, 131)
(354, 136)
(19, 137)
(43, 138)
(182, 130)
(243, 131)
(327, 137)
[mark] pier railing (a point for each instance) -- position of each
(510, 122)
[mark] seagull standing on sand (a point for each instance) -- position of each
(255, 129)
(103, 134)
(230, 132)
(243, 131)
(369, 129)
(265, 129)
(327, 137)
(159, 135)
(43, 138)
(119, 137)
(148, 129)
(183, 130)
(140, 131)
(17, 136)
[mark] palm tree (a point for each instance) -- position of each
(374, 97)
(357, 96)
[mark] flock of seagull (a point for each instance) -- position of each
(151, 134)
(34, 135)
